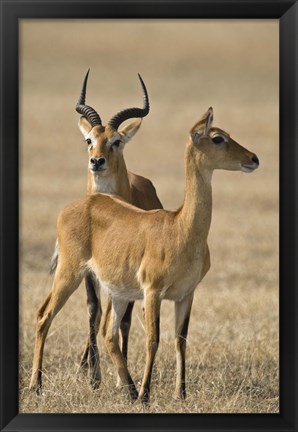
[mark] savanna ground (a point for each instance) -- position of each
(232, 355)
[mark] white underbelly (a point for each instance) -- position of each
(127, 288)
(125, 293)
(179, 286)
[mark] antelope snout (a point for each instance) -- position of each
(255, 160)
(250, 167)
(97, 164)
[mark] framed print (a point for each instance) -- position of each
(151, 102)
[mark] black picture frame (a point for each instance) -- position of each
(287, 13)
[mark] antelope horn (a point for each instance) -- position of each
(86, 110)
(128, 113)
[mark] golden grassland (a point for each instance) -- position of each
(232, 354)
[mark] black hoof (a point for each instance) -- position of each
(95, 384)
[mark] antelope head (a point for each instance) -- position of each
(105, 143)
(217, 150)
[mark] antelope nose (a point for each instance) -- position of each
(101, 161)
(97, 162)
(255, 160)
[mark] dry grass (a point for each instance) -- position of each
(232, 357)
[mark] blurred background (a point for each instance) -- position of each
(187, 65)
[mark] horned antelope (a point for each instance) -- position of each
(107, 172)
(136, 254)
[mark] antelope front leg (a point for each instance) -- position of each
(95, 312)
(152, 314)
(111, 330)
(182, 315)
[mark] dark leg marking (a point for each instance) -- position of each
(125, 329)
(91, 352)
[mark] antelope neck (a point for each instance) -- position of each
(116, 183)
(195, 214)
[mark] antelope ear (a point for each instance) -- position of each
(203, 126)
(129, 130)
(209, 119)
(84, 126)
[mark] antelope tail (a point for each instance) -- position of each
(54, 259)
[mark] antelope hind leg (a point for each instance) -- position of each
(91, 353)
(125, 329)
(152, 314)
(111, 330)
(63, 287)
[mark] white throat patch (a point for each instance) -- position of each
(104, 184)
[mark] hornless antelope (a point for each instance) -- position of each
(135, 254)
(107, 173)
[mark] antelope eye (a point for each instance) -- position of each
(88, 141)
(116, 143)
(218, 139)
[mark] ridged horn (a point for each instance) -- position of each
(86, 110)
(128, 113)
